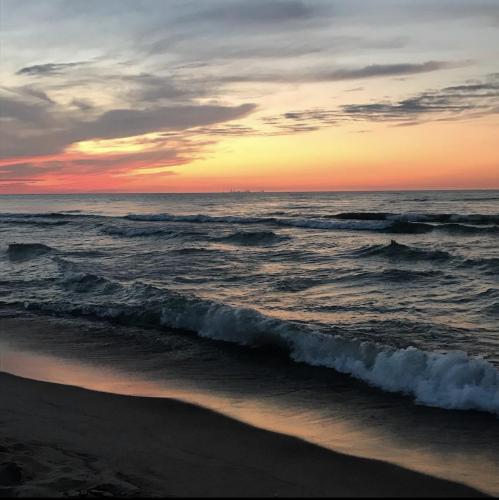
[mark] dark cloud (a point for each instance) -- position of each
(335, 75)
(39, 129)
(20, 171)
(13, 109)
(378, 70)
(129, 122)
(295, 122)
(228, 130)
(467, 101)
(29, 91)
(454, 102)
(48, 69)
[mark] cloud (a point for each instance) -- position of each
(38, 128)
(130, 122)
(21, 171)
(256, 12)
(82, 104)
(152, 88)
(453, 102)
(466, 101)
(341, 74)
(380, 70)
(48, 69)
(22, 111)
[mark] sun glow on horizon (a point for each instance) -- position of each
(306, 103)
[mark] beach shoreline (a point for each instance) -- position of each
(58, 440)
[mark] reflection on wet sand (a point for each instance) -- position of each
(321, 426)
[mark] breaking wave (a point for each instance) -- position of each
(353, 221)
(450, 380)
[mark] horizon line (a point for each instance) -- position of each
(73, 193)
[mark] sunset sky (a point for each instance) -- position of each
(277, 95)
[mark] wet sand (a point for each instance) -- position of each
(58, 440)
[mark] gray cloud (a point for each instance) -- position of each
(454, 102)
(256, 11)
(152, 88)
(40, 129)
(20, 171)
(82, 104)
(25, 112)
(129, 122)
(467, 101)
(379, 70)
(335, 75)
(48, 69)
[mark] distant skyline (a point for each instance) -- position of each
(274, 95)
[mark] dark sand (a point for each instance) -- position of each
(58, 440)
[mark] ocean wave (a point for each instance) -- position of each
(404, 227)
(77, 281)
(396, 250)
(478, 198)
(254, 238)
(490, 265)
(27, 251)
(455, 228)
(199, 218)
(451, 380)
(352, 225)
(410, 223)
(136, 232)
(298, 284)
(291, 222)
(355, 277)
(80, 282)
(43, 215)
(477, 219)
(36, 221)
(402, 275)
(193, 250)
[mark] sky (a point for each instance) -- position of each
(274, 95)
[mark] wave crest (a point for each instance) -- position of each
(396, 250)
(448, 380)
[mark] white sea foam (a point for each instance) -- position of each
(447, 380)
(452, 380)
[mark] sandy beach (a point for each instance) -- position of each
(59, 440)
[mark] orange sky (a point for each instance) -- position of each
(140, 107)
